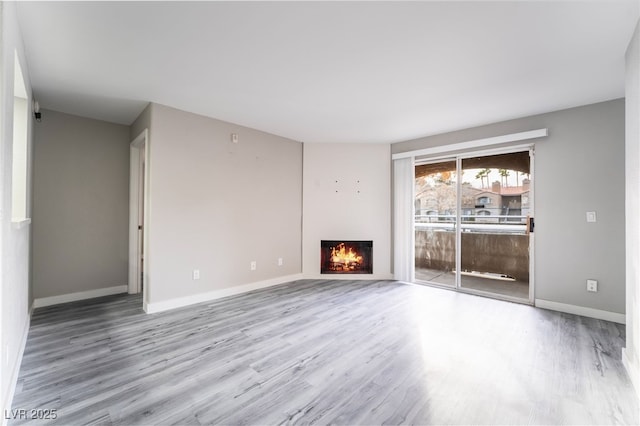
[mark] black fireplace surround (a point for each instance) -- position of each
(346, 257)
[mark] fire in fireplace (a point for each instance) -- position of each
(346, 257)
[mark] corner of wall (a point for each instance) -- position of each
(226, 187)
(15, 243)
(631, 353)
(179, 302)
(15, 370)
(632, 369)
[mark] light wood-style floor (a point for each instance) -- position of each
(325, 351)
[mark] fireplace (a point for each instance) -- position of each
(346, 257)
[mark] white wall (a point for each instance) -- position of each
(81, 205)
(20, 196)
(631, 353)
(15, 239)
(356, 207)
(215, 206)
(579, 167)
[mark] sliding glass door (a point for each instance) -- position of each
(495, 212)
(473, 217)
(436, 201)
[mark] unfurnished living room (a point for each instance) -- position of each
(299, 212)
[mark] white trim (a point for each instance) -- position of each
(81, 295)
(20, 223)
(140, 142)
(15, 371)
(134, 158)
(141, 138)
(513, 137)
(581, 310)
(180, 302)
(632, 370)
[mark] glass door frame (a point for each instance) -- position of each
(458, 157)
(436, 160)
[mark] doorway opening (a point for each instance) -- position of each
(138, 216)
(473, 224)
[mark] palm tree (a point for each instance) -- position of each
(482, 174)
(504, 175)
(486, 175)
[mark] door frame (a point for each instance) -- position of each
(139, 151)
(458, 157)
(454, 158)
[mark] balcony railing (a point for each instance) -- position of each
(497, 244)
(494, 224)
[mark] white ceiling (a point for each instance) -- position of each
(328, 71)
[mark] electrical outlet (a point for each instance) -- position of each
(591, 217)
(280, 261)
(254, 265)
(592, 285)
(196, 274)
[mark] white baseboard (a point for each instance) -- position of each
(632, 370)
(81, 295)
(581, 310)
(15, 371)
(180, 302)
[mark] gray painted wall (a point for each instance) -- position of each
(579, 167)
(81, 205)
(216, 206)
